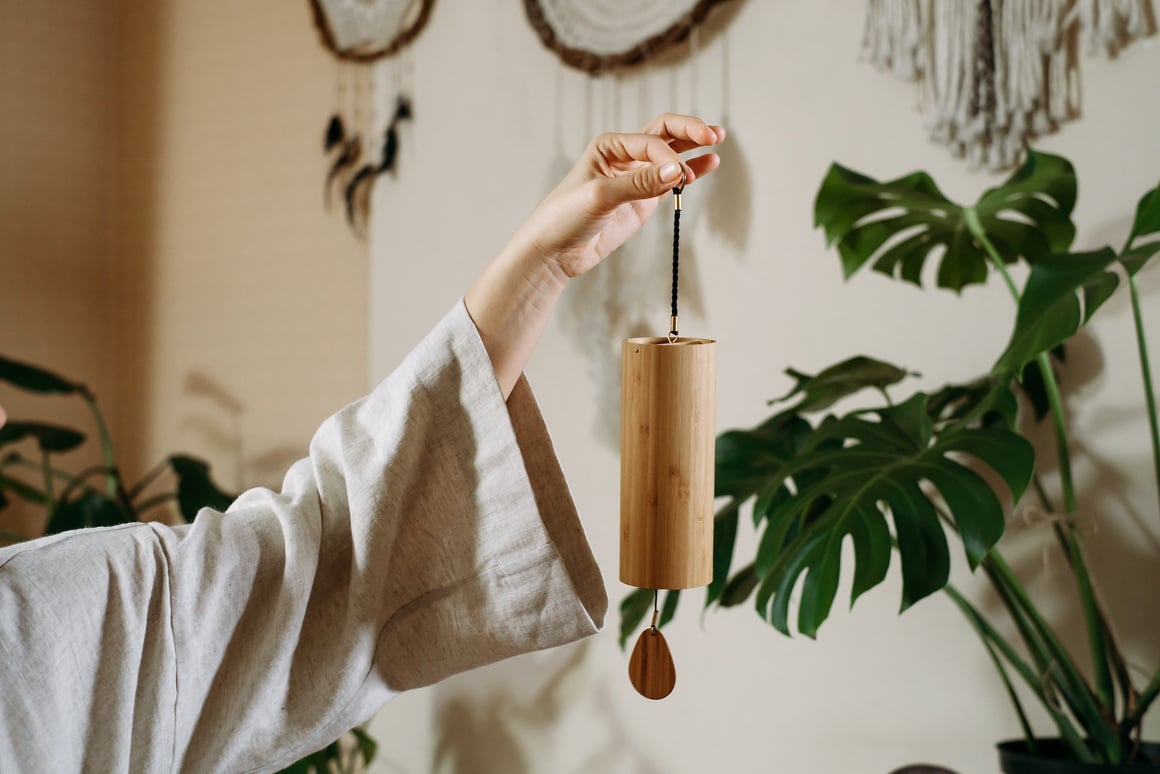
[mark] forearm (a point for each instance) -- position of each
(510, 304)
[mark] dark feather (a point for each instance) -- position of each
(356, 199)
(350, 153)
(390, 150)
(402, 109)
(335, 133)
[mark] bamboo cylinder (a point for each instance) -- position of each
(667, 425)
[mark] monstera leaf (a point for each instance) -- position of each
(857, 470)
(900, 223)
(1064, 291)
(839, 381)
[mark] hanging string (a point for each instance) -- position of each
(656, 610)
(673, 333)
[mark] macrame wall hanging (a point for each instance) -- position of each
(994, 74)
(361, 138)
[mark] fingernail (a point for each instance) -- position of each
(670, 171)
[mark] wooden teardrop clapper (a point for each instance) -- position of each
(667, 429)
(651, 668)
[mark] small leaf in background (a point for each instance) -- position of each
(739, 587)
(1147, 219)
(195, 488)
(840, 381)
(724, 540)
(91, 509)
(633, 609)
(50, 438)
(1050, 310)
(902, 223)
(669, 608)
(366, 744)
(35, 379)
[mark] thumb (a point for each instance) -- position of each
(644, 183)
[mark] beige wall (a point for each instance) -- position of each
(57, 167)
(244, 305)
(876, 690)
(161, 226)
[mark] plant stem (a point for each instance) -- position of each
(149, 477)
(155, 501)
(1093, 616)
(979, 624)
(49, 496)
(112, 477)
(1149, 393)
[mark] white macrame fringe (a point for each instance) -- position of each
(1036, 83)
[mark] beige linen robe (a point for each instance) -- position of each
(429, 531)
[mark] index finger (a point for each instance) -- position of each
(684, 132)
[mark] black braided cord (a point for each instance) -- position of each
(676, 254)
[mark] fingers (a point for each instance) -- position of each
(684, 132)
(651, 181)
(647, 164)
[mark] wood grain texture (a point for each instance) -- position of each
(668, 415)
(651, 668)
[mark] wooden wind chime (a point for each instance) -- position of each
(668, 414)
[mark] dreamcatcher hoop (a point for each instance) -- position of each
(368, 30)
(599, 35)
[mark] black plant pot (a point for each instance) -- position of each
(1052, 758)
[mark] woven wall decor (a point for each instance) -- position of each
(600, 35)
(361, 139)
(994, 74)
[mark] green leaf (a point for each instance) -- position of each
(885, 459)
(669, 608)
(740, 586)
(366, 744)
(746, 458)
(92, 509)
(1050, 310)
(35, 379)
(724, 540)
(195, 487)
(902, 223)
(50, 438)
(633, 609)
(840, 381)
(1147, 219)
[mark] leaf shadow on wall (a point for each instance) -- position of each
(1120, 543)
(496, 731)
(220, 426)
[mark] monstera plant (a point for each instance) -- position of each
(895, 480)
(99, 496)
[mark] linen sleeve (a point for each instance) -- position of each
(429, 531)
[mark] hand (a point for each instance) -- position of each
(614, 188)
(600, 203)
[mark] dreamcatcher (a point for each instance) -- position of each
(996, 73)
(360, 145)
